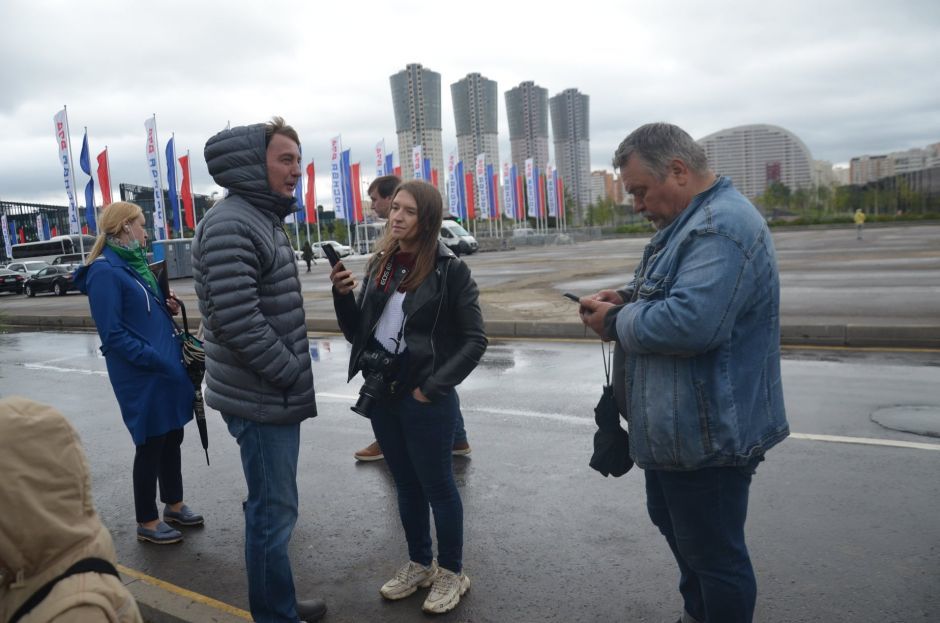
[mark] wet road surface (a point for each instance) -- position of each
(837, 531)
(891, 278)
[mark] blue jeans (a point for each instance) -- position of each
(269, 459)
(702, 513)
(417, 439)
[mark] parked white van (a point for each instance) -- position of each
(457, 238)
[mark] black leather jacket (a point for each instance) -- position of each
(443, 326)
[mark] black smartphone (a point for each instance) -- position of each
(330, 254)
(573, 297)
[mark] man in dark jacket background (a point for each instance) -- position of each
(258, 372)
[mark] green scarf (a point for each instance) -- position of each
(137, 260)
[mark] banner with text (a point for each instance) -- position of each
(61, 121)
(417, 162)
(336, 177)
(153, 163)
(482, 196)
(530, 187)
(380, 159)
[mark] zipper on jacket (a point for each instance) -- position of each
(146, 294)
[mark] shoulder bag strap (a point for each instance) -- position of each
(87, 565)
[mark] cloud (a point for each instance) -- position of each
(847, 77)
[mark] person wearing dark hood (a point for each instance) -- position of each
(144, 356)
(258, 371)
(57, 561)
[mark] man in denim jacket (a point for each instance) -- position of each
(699, 331)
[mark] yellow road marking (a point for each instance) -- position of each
(188, 594)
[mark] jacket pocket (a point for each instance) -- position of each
(704, 420)
(652, 288)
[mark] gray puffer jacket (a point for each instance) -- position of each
(257, 355)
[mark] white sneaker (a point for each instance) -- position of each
(446, 592)
(408, 578)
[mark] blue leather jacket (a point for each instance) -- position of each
(702, 339)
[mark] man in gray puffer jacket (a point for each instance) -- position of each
(257, 356)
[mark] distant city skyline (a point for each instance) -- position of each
(849, 79)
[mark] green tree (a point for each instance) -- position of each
(824, 198)
(775, 197)
(800, 200)
(340, 231)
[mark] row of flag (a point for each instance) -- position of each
(471, 193)
(180, 195)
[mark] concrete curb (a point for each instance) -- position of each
(847, 335)
(161, 602)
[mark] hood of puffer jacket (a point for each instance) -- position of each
(237, 160)
(48, 520)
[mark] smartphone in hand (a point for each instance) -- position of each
(330, 254)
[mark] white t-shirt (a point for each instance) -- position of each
(391, 324)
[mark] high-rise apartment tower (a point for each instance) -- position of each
(475, 115)
(571, 129)
(527, 113)
(416, 98)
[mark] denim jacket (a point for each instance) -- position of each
(702, 339)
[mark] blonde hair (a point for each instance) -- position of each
(112, 220)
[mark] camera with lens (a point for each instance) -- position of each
(379, 369)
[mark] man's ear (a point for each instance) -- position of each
(680, 171)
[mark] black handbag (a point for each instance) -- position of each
(611, 442)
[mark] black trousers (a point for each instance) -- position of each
(157, 459)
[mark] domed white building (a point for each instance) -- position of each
(754, 156)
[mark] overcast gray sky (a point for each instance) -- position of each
(847, 77)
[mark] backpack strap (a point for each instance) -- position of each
(87, 565)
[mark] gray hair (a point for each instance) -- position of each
(658, 144)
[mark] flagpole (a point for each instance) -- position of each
(192, 196)
(78, 216)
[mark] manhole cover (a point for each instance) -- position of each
(920, 420)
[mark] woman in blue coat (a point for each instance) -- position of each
(144, 359)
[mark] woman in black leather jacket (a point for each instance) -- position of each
(417, 332)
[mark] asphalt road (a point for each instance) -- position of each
(838, 531)
(889, 279)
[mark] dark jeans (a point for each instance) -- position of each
(417, 439)
(702, 513)
(158, 458)
(460, 433)
(269, 455)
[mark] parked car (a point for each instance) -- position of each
(341, 249)
(523, 232)
(11, 281)
(458, 239)
(30, 267)
(56, 279)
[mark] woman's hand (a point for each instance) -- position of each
(172, 304)
(418, 395)
(343, 280)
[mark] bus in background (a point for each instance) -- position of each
(48, 250)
